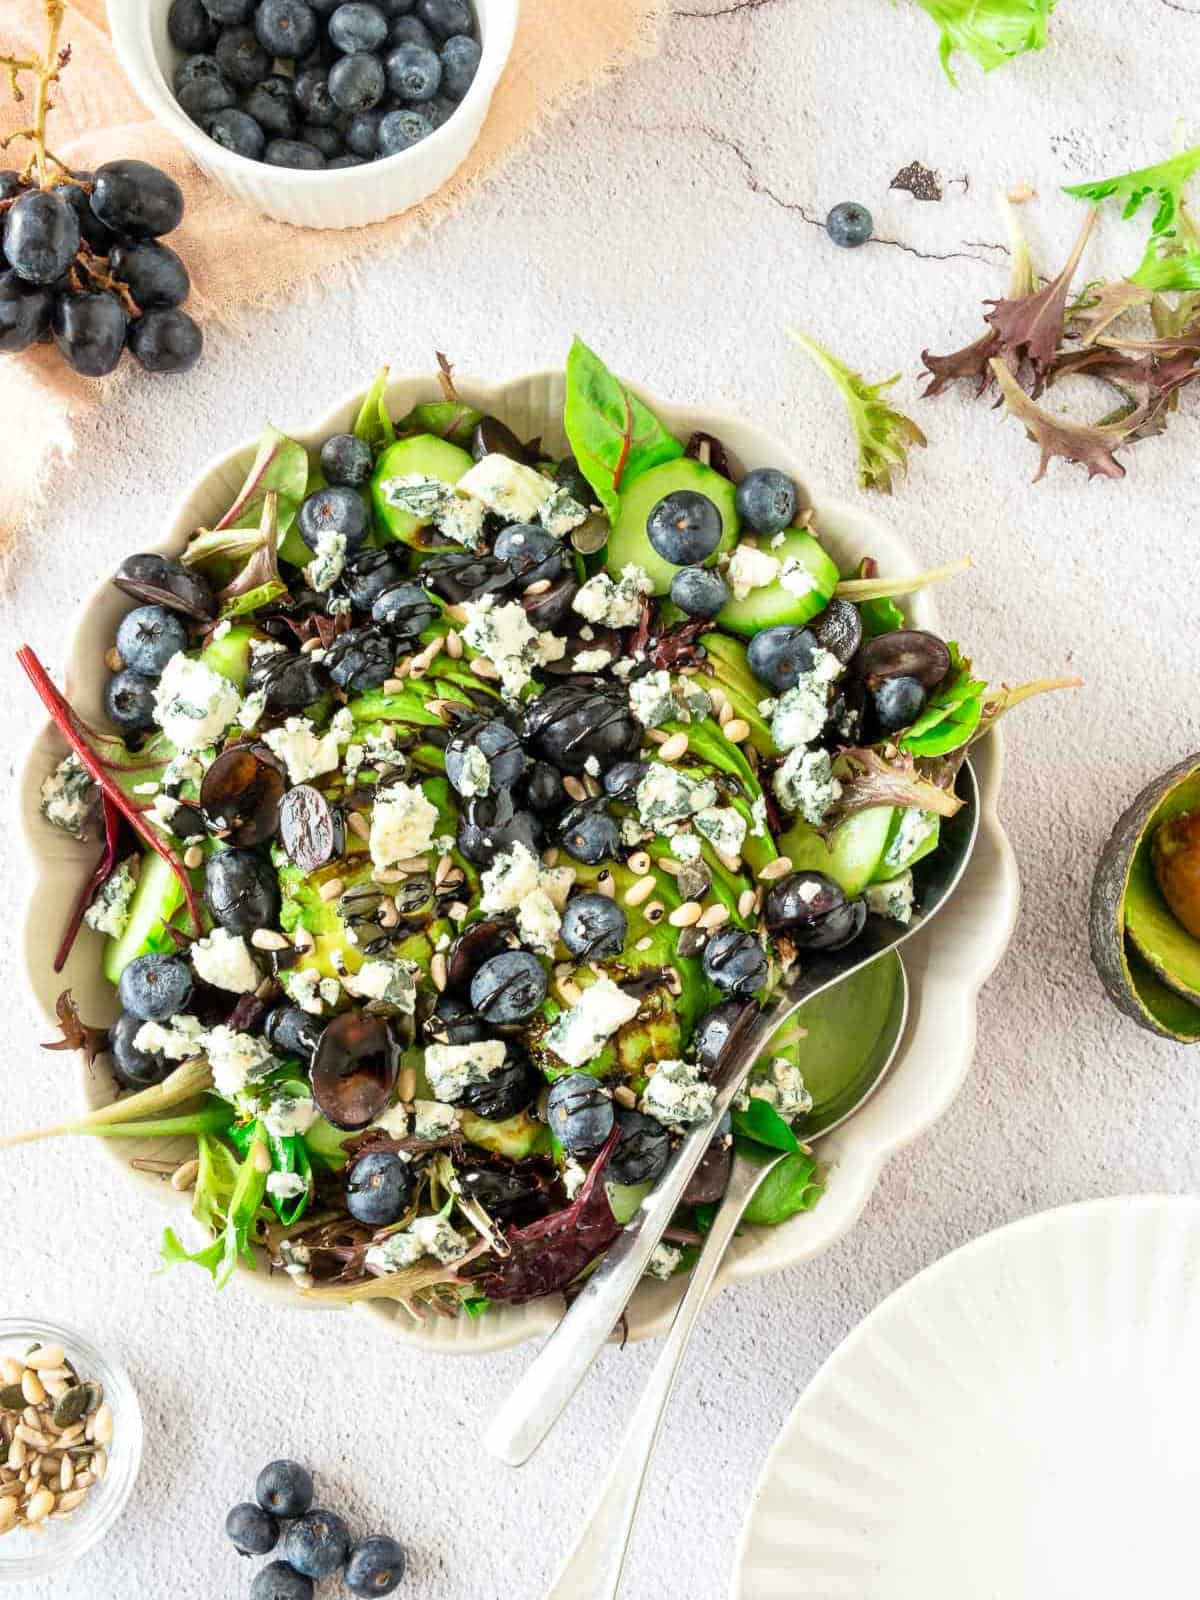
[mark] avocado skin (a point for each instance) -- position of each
(1131, 985)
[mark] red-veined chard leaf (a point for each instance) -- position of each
(279, 468)
(613, 435)
(258, 583)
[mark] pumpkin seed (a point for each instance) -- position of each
(12, 1397)
(71, 1406)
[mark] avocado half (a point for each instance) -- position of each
(1147, 961)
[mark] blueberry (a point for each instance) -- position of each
(156, 276)
(241, 58)
(454, 1022)
(505, 1093)
(356, 83)
(642, 1151)
(400, 130)
(699, 591)
(334, 510)
(362, 137)
(129, 702)
(395, 8)
(781, 656)
(357, 27)
(272, 104)
(346, 460)
(898, 702)
(411, 30)
(292, 153)
(292, 1032)
(25, 311)
(316, 1544)
(684, 527)
(327, 140)
(286, 28)
(155, 987)
(501, 749)
(414, 72)
(313, 99)
(237, 131)
(229, 13)
(849, 224)
(404, 609)
(136, 200)
(734, 961)
(531, 553)
(166, 341)
(767, 500)
(290, 683)
(284, 1488)
(589, 834)
(378, 1189)
(445, 17)
(440, 109)
(509, 987)
(252, 1531)
(362, 659)
(242, 890)
(544, 791)
(371, 573)
(594, 927)
(580, 1113)
(339, 163)
(376, 1566)
(148, 637)
(621, 780)
(190, 26)
(205, 93)
(278, 1581)
(460, 63)
(41, 236)
(134, 1068)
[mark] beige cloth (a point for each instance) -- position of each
(235, 258)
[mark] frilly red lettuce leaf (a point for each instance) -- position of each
(1031, 329)
(1090, 445)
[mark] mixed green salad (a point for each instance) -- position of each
(456, 802)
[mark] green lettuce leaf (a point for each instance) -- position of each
(991, 32)
(613, 435)
(228, 1198)
(761, 1122)
(793, 1186)
(373, 425)
(884, 434)
(952, 713)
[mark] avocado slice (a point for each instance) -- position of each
(156, 899)
(731, 670)
(773, 603)
(516, 1137)
(628, 543)
(423, 455)
(1147, 960)
(850, 855)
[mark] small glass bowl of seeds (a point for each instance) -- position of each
(70, 1446)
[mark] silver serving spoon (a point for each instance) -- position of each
(593, 1569)
(546, 1387)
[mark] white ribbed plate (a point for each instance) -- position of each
(1019, 1422)
(947, 964)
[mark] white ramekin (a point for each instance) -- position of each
(348, 198)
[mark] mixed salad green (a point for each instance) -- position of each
(457, 800)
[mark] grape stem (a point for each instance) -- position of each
(45, 69)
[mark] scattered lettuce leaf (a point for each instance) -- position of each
(612, 434)
(1165, 183)
(971, 362)
(884, 434)
(1031, 329)
(1090, 445)
(991, 32)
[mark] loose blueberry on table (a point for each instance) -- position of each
(320, 87)
(463, 800)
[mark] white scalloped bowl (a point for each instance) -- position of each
(947, 964)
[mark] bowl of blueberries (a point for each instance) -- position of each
(321, 113)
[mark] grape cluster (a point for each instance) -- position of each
(318, 84)
(81, 263)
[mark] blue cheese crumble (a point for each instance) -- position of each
(916, 827)
(236, 1059)
(667, 796)
(614, 605)
(796, 578)
(750, 569)
(677, 1095)
(805, 785)
(509, 488)
(390, 983)
(193, 705)
(579, 1035)
(562, 513)
(475, 773)
(433, 500)
(224, 960)
(68, 796)
(433, 1119)
(652, 700)
(288, 1115)
(801, 714)
(893, 900)
(109, 911)
(178, 1039)
(505, 635)
(402, 824)
(306, 753)
(784, 1088)
(723, 827)
(310, 991)
(664, 1262)
(453, 1068)
(329, 560)
(286, 1185)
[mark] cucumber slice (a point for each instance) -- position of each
(424, 456)
(852, 854)
(627, 543)
(156, 899)
(230, 654)
(773, 604)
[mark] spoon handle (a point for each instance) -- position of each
(593, 1569)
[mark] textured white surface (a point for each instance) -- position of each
(637, 221)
